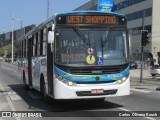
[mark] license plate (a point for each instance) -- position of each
(97, 91)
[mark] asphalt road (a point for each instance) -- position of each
(13, 97)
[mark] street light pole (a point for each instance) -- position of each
(142, 50)
(48, 4)
(13, 19)
(21, 23)
(12, 38)
(92, 2)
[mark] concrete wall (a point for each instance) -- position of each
(156, 27)
(154, 21)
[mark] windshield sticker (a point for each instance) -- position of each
(100, 61)
(73, 57)
(90, 51)
(90, 59)
(99, 54)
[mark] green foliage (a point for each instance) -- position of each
(1, 51)
(7, 49)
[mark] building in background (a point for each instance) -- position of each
(140, 14)
(7, 37)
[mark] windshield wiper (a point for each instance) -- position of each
(81, 35)
(102, 46)
(106, 39)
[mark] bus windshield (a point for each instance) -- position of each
(82, 47)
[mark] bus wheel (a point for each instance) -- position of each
(153, 75)
(43, 89)
(24, 82)
(44, 94)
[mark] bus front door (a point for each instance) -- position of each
(30, 61)
(50, 69)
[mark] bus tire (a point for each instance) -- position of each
(153, 75)
(26, 87)
(43, 88)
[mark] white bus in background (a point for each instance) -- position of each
(155, 69)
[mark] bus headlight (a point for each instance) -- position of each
(122, 80)
(65, 81)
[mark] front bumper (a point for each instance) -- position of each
(83, 91)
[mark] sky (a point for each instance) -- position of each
(32, 11)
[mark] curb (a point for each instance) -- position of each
(136, 82)
(8, 63)
(158, 89)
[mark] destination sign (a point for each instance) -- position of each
(91, 19)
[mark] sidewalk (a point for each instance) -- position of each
(147, 79)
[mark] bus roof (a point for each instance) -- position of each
(91, 11)
(81, 12)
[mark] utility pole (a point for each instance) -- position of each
(13, 37)
(21, 25)
(48, 9)
(141, 75)
(92, 1)
(13, 20)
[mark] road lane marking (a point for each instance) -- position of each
(14, 96)
(6, 87)
(10, 103)
(15, 71)
(143, 91)
(124, 109)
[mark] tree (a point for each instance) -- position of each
(7, 49)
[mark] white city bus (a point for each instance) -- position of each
(77, 55)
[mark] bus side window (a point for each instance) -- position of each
(41, 42)
(44, 41)
(38, 44)
(22, 49)
(34, 45)
(26, 48)
(32, 38)
(18, 50)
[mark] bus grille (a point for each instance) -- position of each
(92, 70)
(96, 71)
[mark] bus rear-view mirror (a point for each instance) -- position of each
(51, 39)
